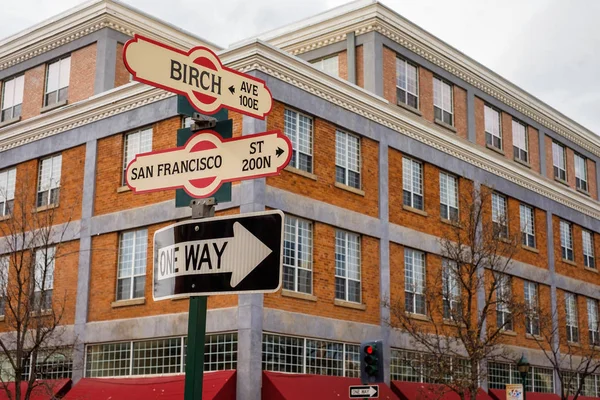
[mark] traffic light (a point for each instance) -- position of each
(371, 361)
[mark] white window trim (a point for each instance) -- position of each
(530, 213)
(525, 138)
(7, 193)
(296, 267)
(345, 166)
(444, 201)
(531, 299)
(132, 276)
(451, 285)
(593, 321)
(556, 157)
(504, 294)
(589, 257)
(402, 63)
(414, 291)
(499, 126)
(320, 64)
(571, 321)
(297, 138)
(126, 139)
(581, 176)
(498, 216)
(43, 269)
(46, 92)
(54, 183)
(347, 278)
(444, 85)
(566, 242)
(13, 104)
(411, 187)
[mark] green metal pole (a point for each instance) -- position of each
(194, 368)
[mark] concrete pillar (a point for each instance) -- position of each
(351, 55)
(250, 306)
(106, 62)
(373, 63)
(85, 258)
(384, 255)
(553, 295)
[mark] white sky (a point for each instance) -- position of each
(550, 48)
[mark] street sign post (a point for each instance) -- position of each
(197, 74)
(207, 160)
(364, 391)
(223, 255)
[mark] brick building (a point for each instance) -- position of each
(368, 100)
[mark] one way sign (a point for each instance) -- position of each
(222, 255)
(365, 391)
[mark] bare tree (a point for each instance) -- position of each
(575, 358)
(467, 300)
(34, 237)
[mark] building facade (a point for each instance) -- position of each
(388, 125)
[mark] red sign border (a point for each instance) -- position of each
(211, 132)
(168, 89)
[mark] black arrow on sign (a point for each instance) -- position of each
(279, 151)
(232, 89)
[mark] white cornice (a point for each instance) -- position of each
(86, 19)
(293, 71)
(371, 16)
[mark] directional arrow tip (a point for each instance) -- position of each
(279, 151)
(232, 89)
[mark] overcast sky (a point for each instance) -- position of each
(550, 48)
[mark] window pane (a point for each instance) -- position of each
(8, 94)
(65, 71)
(53, 77)
(19, 88)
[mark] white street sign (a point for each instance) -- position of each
(197, 74)
(207, 160)
(368, 391)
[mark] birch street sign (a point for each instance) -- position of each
(221, 255)
(366, 391)
(207, 160)
(197, 74)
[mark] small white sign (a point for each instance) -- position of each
(368, 391)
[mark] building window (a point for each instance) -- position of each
(412, 183)
(131, 277)
(414, 282)
(566, 240)
(407, 83)
(499, 215)
(56, 364)
(347, 266)
(43, 279)
(8, 179)
(136, 143)
(442, 101)
(493, 133)
(448, 197)
(347, 159)
(299, 128)
(559, 162)
(309, 356)
(527, 226)
(297, 255)
(588, 249)
(4, 262)
(57, 81)
(503, 300)
(540, 380)
(329, 65)
(12, 98)
(593, 322)
(532, 322)
(571, 317)
(158, 356)
(412, 366)
(451, 290)
(49, 181)
(520, 142)
(580, 173)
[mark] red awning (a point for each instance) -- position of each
(44, 390)
(500, 394)
(219, 385)
(280, 386)
(423, 391)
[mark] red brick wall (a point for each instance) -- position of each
(324, 281)
(539, 259)
(574, 270)
(121, 73)
(460, 111)
(507, 137)
(591, 173)
(343, 64)
(479, 122)
(389, 75)
(360, 75)
(426, 93)
(83, 72)
(549, 164)
(570, 167)
(534, 149)
(33, 93)
(323, 188)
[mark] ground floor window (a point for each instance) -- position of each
(310, 356)
(158, 356)
(412, 366)
(538, 380)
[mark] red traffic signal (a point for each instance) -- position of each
(369, 349)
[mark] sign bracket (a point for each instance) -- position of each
(194, 369)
